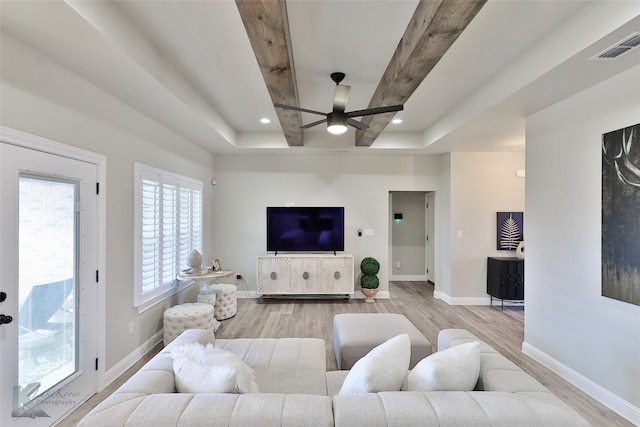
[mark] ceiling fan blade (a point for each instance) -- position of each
(357, 124)
(340, 98)
(304, 110)
(371, 111)
(313, 124)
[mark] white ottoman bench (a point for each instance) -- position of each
(226, 301)
(355, 334)
(191, 315)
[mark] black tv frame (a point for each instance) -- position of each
(306, 226)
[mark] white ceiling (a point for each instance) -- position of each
(189, 66)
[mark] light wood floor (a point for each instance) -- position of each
(503, 330)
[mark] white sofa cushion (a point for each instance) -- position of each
(382, 369)
(206, 369)
(454, 369)
(283, 365)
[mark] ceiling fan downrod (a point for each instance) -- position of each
(337, 77)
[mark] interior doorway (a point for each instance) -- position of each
(411, 235)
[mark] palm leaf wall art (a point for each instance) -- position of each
(510, 230)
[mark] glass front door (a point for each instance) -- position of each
(48, 264)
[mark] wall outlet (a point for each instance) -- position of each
(131, 326)
(238, 276)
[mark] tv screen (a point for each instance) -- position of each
(305, 229)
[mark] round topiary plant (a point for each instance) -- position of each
(369, 281)
(369, 267)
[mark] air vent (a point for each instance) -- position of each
(340, 150)
(620, 48)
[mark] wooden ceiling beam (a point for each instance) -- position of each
(267, 26)
(433, 28)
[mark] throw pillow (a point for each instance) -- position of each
(382, 369)
(206, 369)
(454, 369)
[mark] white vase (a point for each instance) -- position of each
(194, 260)
(520, 250)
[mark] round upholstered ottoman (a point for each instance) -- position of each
(179, 318)
(226, 302)
(209, 297)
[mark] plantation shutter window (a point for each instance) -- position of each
(168, 226)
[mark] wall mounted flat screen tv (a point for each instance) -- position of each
(305, 229)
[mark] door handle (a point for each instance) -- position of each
(5, 319)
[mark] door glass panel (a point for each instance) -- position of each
(47, 240)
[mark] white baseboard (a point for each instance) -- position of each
(409, 278)
(246, 294)
(121, 367)
(461, 300)
(442, 296)
(599, 393)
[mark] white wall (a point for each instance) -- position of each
(41, 98)
(596, 339)
(247, 184)
(481, 184)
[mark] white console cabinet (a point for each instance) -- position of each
(305, 274)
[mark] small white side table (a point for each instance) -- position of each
(202, 279)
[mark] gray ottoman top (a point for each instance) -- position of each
(364, 328)
(355, 334)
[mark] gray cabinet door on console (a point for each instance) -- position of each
(505, 278)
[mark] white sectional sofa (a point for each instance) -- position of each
(290, 373)
(296, 390)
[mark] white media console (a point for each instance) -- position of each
(305, 275)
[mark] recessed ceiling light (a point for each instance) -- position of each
(265, 121)
(396, 121)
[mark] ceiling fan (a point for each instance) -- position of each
(337, 120)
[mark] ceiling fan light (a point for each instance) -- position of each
(336, 123)
(337, 128)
